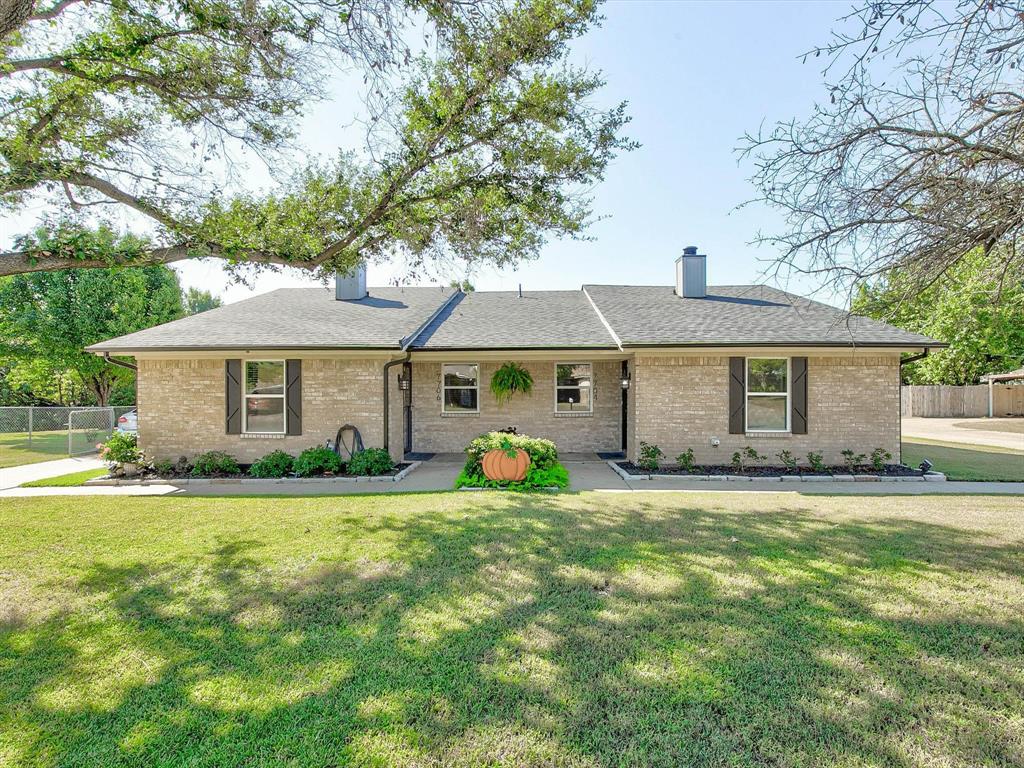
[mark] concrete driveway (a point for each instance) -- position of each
(998, 433)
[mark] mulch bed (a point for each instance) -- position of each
(244, 475)
(890, 470)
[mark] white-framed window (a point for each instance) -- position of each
(263, 397)
(574, 388)
(460, 388)
(767, 408)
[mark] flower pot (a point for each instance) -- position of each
(499, 465)
(130, 469)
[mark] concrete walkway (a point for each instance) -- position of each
(586, 473)
(1010, 432)
(12, 477)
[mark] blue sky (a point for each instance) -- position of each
(697, 76)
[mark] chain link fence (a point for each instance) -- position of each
(31, 434)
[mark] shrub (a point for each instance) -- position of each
(372, 461)
(649, 456)
(816, 462)
(316, 461)
(685, 460)
(542, 453)
(748, 454)
(164, 467)
(121, 449)
(214, 464)
(852, 460)
(787, 459)
(274, 464)
(879, 458)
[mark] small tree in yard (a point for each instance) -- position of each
(50, 317)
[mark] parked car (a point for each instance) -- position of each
(128, 423)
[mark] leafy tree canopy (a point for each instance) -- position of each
(198, 300)
(984, 335)
(480, 147)
(48, 318)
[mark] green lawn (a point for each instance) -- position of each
(494, 629)
(965, 462)
(66, 481)
(16, 450)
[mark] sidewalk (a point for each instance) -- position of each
(26, 473)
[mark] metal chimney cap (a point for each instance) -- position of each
(690, 250)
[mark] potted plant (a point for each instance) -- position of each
(509, 379)
(122, 451)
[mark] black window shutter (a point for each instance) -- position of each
(798, 417)
(233, 397)
(293, 396)
(737, 395)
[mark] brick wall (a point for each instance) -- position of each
(181, 408)
(682, 402)
(534, 414)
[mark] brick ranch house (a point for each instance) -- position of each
(713, 368)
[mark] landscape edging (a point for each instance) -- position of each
(124, 481)
(839, 478)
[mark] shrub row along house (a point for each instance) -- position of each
(713, 368)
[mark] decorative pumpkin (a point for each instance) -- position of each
(505, 464)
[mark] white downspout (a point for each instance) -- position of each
(990, 398)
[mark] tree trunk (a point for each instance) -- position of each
(14, 13)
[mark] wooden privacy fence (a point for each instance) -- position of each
(941, 400)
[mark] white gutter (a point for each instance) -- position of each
(607, 326)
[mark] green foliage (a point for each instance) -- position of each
(198, 300)
(685, 460)
(543, 453)
(510, 378)
(552, 476)
(748, 455)
(163, 467)
(649, 456)
(816, 462)
(851, 459)
(48, 318)
(215, 464)
(493, 136)
(984, 336)
(879, 458)
(316, 461)
(787, 459)
(274, 464)
(121, 448)
(371, 461)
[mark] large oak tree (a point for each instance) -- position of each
(480, 144)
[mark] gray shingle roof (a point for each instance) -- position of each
(311, 318)
(737, 315)
(295, 318)
(503, 320)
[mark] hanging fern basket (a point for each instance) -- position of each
(510, 379)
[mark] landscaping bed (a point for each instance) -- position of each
(889, 470)
(399, 471)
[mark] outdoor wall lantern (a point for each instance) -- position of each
(625, 381)
(403, 382)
